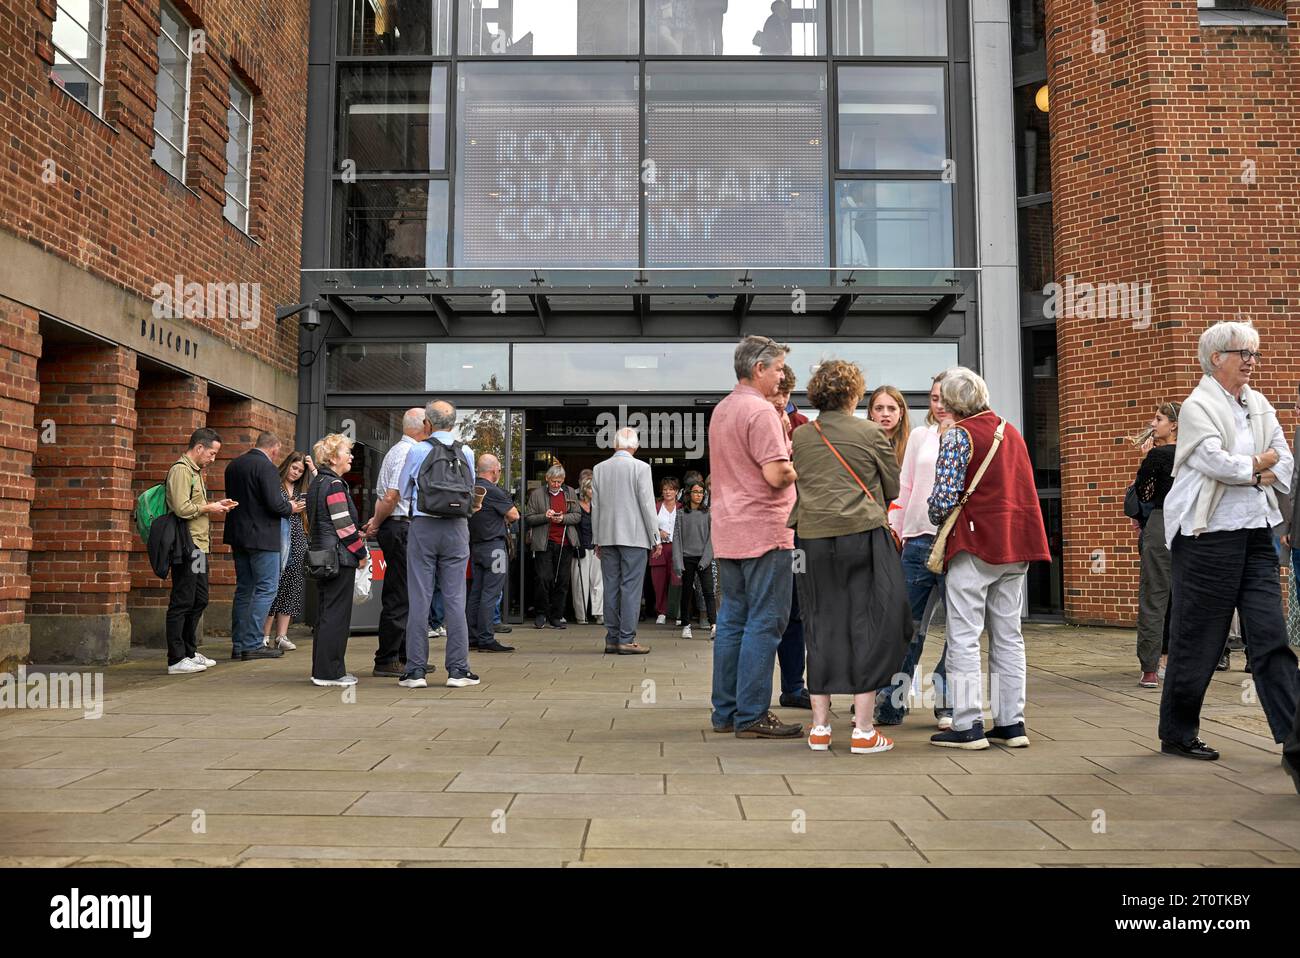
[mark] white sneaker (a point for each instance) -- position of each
(440, 632)
(419, 683)
(347, 680)
(266, 642)
(202, 659)
(661, 620)
(186, 667)
(713, 632)
(1160, 673)
(282, 642)
(945, 723)
(686, 632)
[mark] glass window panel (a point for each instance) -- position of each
(911, 367)
(890, 28)
(393, 119)
(169, 158)
(547, 165)
(174, 27)
(548, 27)
(420, 367)
(171, 87)
(393, 224)
(395, 27)
(167, 124)
(893, 223)
(739, 165)
(892, 118)
(236, 212)
(734, 27)
(238, 128)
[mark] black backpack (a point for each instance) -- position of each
(443, 484)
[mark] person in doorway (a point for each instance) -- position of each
(296, 474)
(983, 463)
(693, 476)
(791, 654)
(437, 550)
(1153, 482)
(912, 525)
(888, 409)
(253, 533)
(625, 530)
(391, 524)
(776, 39)
(661, 566)
(552, 516)
(489, 556)
(588, 583)
(1231, 457)
(693, 556)
(750, 505)
(187, 499)
(858, 621)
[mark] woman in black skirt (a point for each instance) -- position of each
(334, 525)
(857, 620)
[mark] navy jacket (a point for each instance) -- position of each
(253, 482)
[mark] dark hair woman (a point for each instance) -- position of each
(296, 473)
(1154, 479)
(693, 555)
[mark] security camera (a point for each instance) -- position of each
(310, 320)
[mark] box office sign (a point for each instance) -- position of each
(557, 184)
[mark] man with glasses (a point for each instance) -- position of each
(1231, 461)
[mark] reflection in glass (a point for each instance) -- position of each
(548, 27)
(417, 367)
(734, 28)
(392, 119)
(394, 27)
(239, 145)
(740, 165)
(547, 165)
(171, 115)
(892, 118)
(890, 28)
(78, 38)
(394, 224)
(910, 367)
(893, 223)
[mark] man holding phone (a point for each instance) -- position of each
(552, 518)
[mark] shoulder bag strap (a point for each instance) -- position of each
(829, 445)
(979, 473)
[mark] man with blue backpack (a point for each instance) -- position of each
(437, 482)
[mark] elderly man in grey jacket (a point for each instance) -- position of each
(626, 533)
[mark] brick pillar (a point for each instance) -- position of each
(169, 409)
(239, 421)
(82, 512)
(19, 391)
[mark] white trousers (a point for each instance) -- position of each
(980, 595)
(587, 585)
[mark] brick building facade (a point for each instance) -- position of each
(1174, 145)
(101, 384)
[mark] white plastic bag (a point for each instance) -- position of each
(361, 585)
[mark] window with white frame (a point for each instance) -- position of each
(171, 119)
(239, 153)
(79, 50)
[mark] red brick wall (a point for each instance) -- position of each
(19, 391)
(1149, 140)
(110, 208)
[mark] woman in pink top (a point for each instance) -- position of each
(908, 517)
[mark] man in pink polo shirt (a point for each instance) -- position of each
(753, 492)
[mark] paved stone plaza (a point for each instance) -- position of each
(563, 756)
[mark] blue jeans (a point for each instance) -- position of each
(891, 701)
(496, 615)
(790, 654)
(754, 614)
(257, 578)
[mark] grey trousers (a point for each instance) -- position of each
(980, 595)
(1153, 592)
(623, 570)
(437, 551)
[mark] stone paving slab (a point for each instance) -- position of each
(563, 757)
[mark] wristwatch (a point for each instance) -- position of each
(1258, 476)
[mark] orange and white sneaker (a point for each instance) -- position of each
(864, 743)
(819, 739)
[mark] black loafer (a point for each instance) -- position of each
(611, 650)
(494, 646)
(558, 624)
(539, 622)
(1193, 749)
(262, 653)
(801, 700)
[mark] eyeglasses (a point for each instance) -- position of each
(1246, 355)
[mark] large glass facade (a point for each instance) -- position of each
(392, 119)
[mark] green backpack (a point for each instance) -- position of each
(151, 504)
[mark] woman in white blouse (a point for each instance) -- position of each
(908, 518)
(1231, 460)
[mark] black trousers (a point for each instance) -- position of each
(1214, 573)
(489, 561)
(333, 623)
(692, 576)
(184, 609)
(551, 577)
(392, 617)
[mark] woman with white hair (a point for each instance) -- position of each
(1231, 459)
(984, 471)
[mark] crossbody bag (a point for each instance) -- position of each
(936, 560)
(898, 543)
(320, 564)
